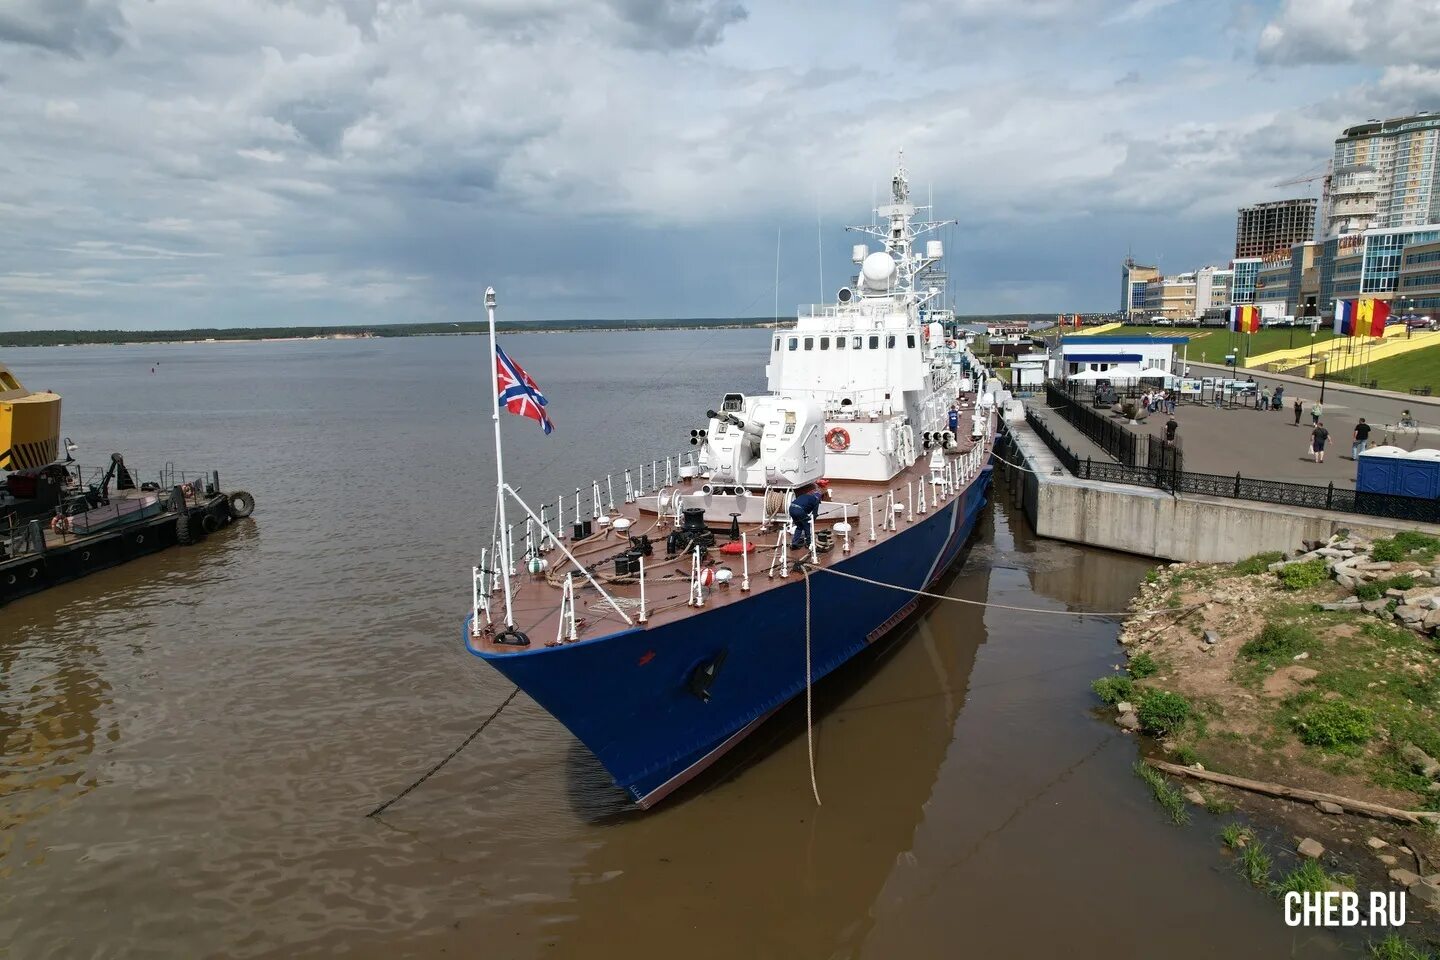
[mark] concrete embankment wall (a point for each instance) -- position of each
(1154, 523)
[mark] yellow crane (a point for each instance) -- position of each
(29, 425)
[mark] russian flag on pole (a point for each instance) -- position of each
(1372, 315)
(518, 393)
(1244, 319)
(1345, 318)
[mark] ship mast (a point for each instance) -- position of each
(899, 233)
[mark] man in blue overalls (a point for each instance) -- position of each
(803, 509)
(955, 420)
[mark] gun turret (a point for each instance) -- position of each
(729, 418)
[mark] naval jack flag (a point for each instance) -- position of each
(518, 393)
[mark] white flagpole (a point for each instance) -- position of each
(499, 456)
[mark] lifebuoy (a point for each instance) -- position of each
(60, 524)
(837, 439)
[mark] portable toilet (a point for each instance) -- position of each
(1391, 470)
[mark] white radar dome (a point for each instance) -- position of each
(878, 270)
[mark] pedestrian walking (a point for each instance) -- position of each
(1360, 440)
(1315, 411)
(1319, 439)
(1299, 409)
(1277, 402)
(1172, 427)
(1264, 398)
(1171, 401)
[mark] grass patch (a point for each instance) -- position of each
(1303, 576)
(1161, 712)
(1143, 665)
(1255, 864)
(1309, 877)
(1185, 756)
(1403, 545)
(1218, 805)
(1395, 947)
(1235, 834)
(1164, 791)
(1334, 723)
(1257, 564)
(1369, 591)
(1114, 689)
(1277, 641)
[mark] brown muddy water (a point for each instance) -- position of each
(191, 742)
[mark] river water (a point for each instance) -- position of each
(191, 742)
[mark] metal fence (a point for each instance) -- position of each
(1167, 472)
(1106, 433)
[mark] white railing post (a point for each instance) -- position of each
(629, 487)
(610, 493)
(745, 561)
(642, 617)
(594, 499)
(870, 502)
(909, 501)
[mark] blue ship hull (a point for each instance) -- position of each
(630, 696)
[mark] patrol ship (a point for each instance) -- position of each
(663, 629)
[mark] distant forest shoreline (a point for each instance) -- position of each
(62, 338)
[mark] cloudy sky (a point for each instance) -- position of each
(261, 162)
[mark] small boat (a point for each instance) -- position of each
(55, 525)
(664, 628)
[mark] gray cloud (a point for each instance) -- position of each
(1364, 31)
(70, 27)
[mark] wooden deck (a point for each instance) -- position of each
(536, 600)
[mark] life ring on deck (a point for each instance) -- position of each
(60, 524)
(837, 439)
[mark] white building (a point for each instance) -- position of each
(1117, 359)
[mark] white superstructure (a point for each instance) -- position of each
(875, 362)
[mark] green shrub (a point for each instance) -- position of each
(1302, 576)
(1387, 550)
(1369, 591)
(1276, 640)
(1162, 712)
(1143, 665)
(1401, 582)
(1334, 724)
(1114, 689)
(1258, 563)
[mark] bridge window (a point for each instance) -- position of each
(777, 344)
(824, 343)
(890, 342)
(809, 343)
(794, 342)
(874, 343)
(839, 343)
(910, 340)
(856, 343)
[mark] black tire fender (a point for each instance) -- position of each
(242, 504)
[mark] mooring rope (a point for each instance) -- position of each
(809, 714)
(1007, 606)
(433, 770)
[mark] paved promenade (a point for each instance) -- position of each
(1268, 444)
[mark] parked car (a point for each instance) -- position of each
(1420, 323)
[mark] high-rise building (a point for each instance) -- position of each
(1384, 174)
(1278, 225)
